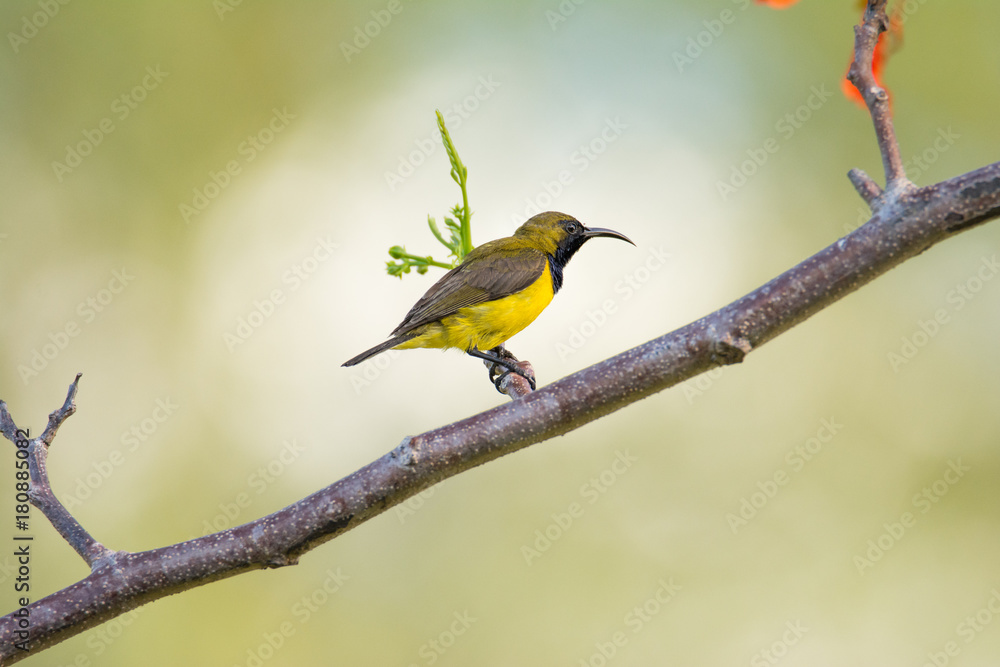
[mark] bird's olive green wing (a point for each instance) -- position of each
(487, 274)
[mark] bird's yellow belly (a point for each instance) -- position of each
(486, 325)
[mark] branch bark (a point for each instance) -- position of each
(40, 492)
(866, 36)
(906, 221)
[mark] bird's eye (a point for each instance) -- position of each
(572, 228)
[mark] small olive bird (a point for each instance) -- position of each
(498, 289)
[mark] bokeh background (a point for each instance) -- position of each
(197, 200)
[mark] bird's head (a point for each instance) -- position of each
(560, 235)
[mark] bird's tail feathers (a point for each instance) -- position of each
(387, 345)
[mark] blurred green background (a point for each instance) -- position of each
(301, 135)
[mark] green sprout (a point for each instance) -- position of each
(459, 240)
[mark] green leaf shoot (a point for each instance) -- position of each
(458, 228)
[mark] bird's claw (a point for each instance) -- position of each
(496, 376)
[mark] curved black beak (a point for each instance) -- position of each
(592, 232)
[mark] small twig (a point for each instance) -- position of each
(7, 425)
(866, 35)
(866, 187)
(40, 492)
(62, 414)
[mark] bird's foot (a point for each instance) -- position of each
(506, 360)
(501, 364)
(498, 377)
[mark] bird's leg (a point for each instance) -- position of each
(521, 368)
(496, 376)
(499, 356)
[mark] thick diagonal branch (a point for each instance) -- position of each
(916, 222)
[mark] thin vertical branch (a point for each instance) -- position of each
(866, 36)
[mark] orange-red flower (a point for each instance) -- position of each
(888, 43)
